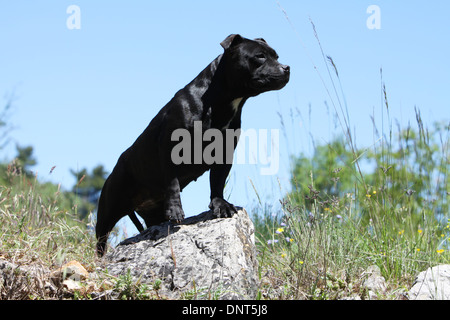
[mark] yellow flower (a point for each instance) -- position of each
(374, 192)
(327, 209)
(419, 231)
(368, 196)
(300, 261)
(418, 249)
(401, 232)
(279, 230)
(440, 251)
(283, 255)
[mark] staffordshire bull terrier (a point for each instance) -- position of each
(146, 180)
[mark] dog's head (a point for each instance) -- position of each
(252, 66)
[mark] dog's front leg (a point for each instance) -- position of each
(173, 210)
(217, 177)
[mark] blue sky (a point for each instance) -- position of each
(83, 96)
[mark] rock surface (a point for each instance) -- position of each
(201, 258)
(432, 284)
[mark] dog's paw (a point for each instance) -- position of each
(174, 213)
(222, 208)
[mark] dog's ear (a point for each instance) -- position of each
(231, 40)
(261, 39)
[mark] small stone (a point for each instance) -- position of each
(72, 270)
(71, 285)
(375, 283)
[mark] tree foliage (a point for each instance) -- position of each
(408, 171)
(25, 159)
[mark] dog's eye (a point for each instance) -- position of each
(261, 56)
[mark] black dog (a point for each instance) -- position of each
(146, 180)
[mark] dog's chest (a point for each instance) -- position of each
(234, 107)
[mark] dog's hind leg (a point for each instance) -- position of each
(152, 214)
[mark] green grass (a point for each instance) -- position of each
(33, 222)
(322, 254)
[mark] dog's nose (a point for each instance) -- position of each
(286, 68)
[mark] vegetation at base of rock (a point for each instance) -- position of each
(128, 289)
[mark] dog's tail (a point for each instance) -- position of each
(100, 230)
(106, 217)
(112, 207)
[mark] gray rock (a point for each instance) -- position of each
(201, 258)
(432, 284)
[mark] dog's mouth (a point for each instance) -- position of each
(273, 78)
(270, 82)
